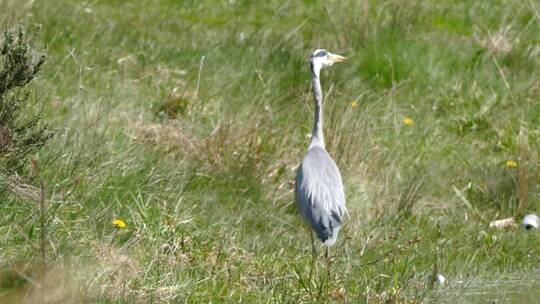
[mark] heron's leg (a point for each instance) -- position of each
(327, 261)
(313, 249)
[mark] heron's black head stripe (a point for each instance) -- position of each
(321, 53)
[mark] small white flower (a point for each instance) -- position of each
(441, 279)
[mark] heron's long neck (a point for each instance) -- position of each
(317, 137)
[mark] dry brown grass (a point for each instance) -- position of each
(501, 42)
(5, 139)
(106, 270)
(56, 285)
(169, 137)
(26, 191)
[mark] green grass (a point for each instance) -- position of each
(204, 179)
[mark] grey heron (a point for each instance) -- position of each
(319, 191)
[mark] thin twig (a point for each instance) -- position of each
(201, 63)
(506, 84)
(43, 245)
(391, 251)
(461, 196)
(523, 170)
(43, 232)
(365, 245)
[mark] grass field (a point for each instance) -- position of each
(187, 120)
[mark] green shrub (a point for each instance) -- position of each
(21, 133)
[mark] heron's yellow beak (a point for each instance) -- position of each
(337, 58)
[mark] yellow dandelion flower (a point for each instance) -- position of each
(408, 121)
(119, 223)
(511, 164)
(354, 104)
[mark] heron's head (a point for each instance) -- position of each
(322, 58)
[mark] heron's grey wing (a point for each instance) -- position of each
(319, 193)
